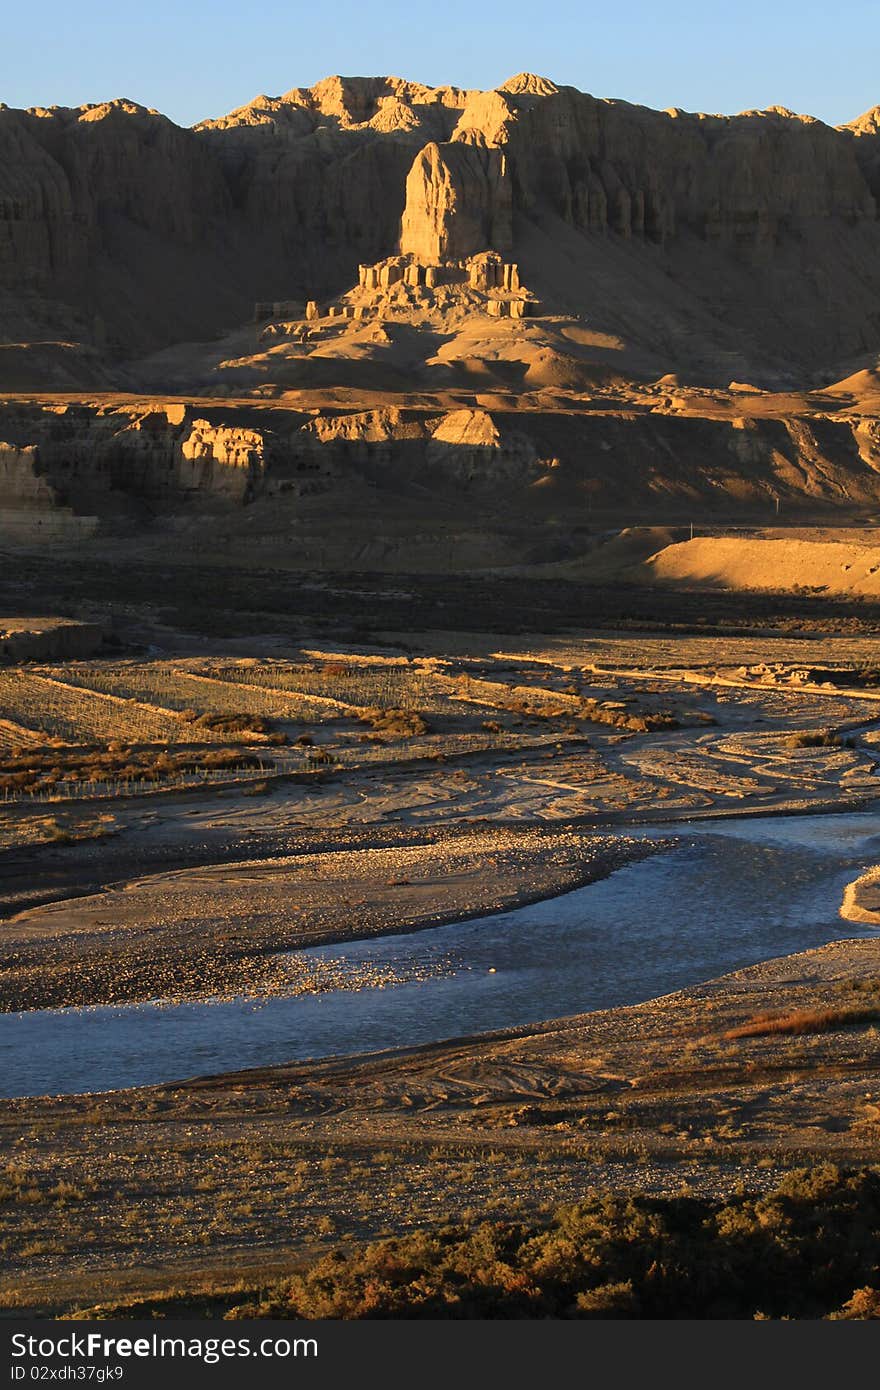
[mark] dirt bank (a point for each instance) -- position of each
(861, 899)
(793, 566)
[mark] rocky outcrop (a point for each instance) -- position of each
(112, 467)
(602, 165)
(87, 463)
(479, 283)
(470, 448)
(458, 203)
(461, 448)
(865, 133)
(48, 639)
(101, 209)
(21, 482)
(738, 180)
(33, 509)
(223, 461)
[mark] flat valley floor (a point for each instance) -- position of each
(261, 797)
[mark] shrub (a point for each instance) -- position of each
(233, 723)
(815, 738)
(807, 1249)
(394, 722)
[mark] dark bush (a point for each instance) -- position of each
(808, 1249)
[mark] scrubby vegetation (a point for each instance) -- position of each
(35, 771)
(388, 685)
(395, 723)
(228, 723)
(808, 1249)
(533, 702)
(56, 708)
(21, 1187)
(861, 677)
(233, 722)
(804, 1021)
(170, 690)
(818, 738)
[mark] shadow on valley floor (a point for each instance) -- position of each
(214, 599)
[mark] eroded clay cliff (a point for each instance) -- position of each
(245, 471)
(120, 229)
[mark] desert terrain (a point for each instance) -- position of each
(472, 784)
(439, 694)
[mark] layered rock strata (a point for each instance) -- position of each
(68, 470)
(123, 230)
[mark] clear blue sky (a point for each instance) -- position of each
(192, 58)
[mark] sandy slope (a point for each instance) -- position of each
(733, 562)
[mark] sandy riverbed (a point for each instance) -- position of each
(215, 929)
(224, 1182)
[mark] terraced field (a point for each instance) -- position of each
(174, 687)
(46, 704)
(14, 735)
(393, 684)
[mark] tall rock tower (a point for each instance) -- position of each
(458, 203)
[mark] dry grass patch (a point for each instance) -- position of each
(804, 1021)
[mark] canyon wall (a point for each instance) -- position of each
(120, 229)
(72, 471)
